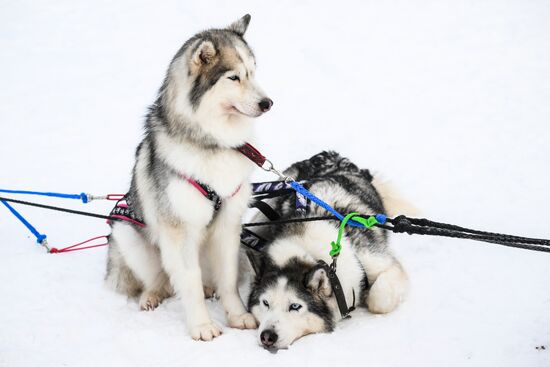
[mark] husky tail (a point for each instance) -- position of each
(394, 203)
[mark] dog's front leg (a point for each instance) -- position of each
(179, 247)
(224, 254)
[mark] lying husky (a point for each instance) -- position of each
(291, 296)
(190, 186)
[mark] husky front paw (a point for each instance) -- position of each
(244, 321)
(205, 332)
(148, 301)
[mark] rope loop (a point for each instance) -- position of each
(401, 224)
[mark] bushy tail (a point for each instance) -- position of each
(394, 203)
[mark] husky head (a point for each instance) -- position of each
(289, 301)
(210, 92)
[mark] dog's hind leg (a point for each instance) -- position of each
(389, 282)
(144, 261)
(119, 276)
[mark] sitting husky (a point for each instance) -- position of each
(291, 296)
(181, 218)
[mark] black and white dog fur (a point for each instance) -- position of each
(291, 298)
(203, 111)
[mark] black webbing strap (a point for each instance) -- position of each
(266, 209)
(252, 240)
(337, 289)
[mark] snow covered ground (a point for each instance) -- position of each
(450, 100)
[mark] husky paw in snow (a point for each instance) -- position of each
(205, 332)
(148, 301)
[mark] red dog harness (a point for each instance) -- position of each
(123, 208)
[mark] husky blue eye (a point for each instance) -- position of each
(234, 78)
(266, 304)
(295, 307)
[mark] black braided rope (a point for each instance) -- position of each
(468, 236)
(428, 223)
(403, 224)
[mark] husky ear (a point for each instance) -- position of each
(240, 25)
(205, 53)
(257, 260)
(316, 280)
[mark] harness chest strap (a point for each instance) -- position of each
(249, 152)
(123, 208)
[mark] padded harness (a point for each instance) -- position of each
(123, 208)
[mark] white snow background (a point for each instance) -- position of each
(450, 100)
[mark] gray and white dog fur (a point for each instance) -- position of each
(203, 111)
(289, 297)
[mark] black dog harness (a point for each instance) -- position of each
(250, 239)
(337, 288)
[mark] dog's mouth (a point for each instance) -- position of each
(235, 110)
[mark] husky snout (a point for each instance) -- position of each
(268, 338)
(265, 104)
(253, 107)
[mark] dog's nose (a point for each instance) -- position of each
(265, 104)
(268, 337)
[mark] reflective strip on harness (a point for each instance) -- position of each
(123, 211)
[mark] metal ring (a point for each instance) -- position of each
(289, 179)
(44, 243)
(269, 167)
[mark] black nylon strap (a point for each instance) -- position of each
(252, 240)
(266, 209)
(337, 289)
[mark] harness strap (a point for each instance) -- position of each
(207, 191)
(248, 151)
(337, 289)
(266, 209)
(123, 211)
(252, 240)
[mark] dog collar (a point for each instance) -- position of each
(252, 153)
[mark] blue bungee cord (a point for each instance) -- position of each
(83, 196)
(380, 218)
(42, 238)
